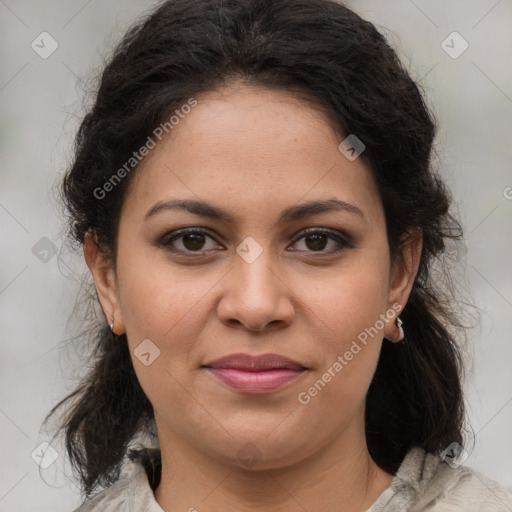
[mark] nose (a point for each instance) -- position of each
(256, 295)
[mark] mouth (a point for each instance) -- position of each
(255, 375)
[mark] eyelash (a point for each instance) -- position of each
(167, 240)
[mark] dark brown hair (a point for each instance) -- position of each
(322, 50)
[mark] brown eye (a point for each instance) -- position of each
(193, 241)
(188, 241)
(317, 240)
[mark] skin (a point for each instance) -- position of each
(255, 152)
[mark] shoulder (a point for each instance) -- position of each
(131, 493)
(117, 497)
(425, 483)
(474, 492)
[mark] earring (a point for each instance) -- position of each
(112, 325)
(400, 329)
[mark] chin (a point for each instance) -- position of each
(259, 451)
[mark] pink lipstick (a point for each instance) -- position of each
(259, 375)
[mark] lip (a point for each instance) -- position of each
(256, 375)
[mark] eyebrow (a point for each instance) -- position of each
(289, 215)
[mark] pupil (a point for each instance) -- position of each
(197, 240)
(318, 241)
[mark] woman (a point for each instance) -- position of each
(256, 204)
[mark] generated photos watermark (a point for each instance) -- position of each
(305, 397)
(133, 161)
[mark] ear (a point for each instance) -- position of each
(104, 277)
(403, 273)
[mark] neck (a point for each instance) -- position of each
(341, 476)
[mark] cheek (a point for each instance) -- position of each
(158, 298)
(352, 301)
(169, 307)
(348, 332)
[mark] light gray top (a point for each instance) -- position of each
(423, 483)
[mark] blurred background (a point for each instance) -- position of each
(460, 52)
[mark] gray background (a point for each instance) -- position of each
(41, 105)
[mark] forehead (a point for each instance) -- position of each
(246, 146)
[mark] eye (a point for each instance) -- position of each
(316, 239)
(190, 240)
(193, 241)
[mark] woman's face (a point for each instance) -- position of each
(267, 277)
